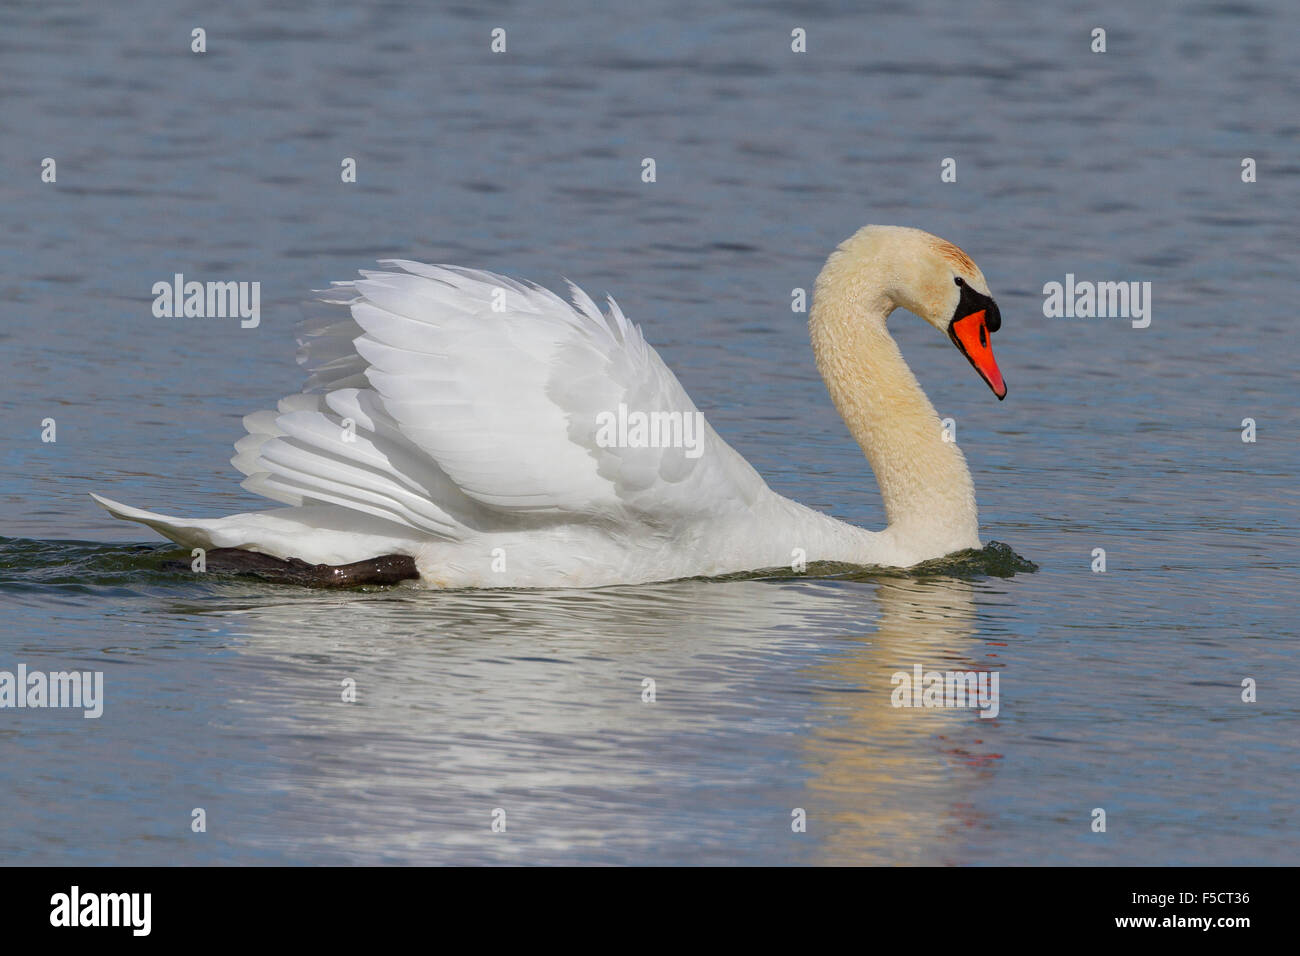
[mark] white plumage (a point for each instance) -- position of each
(453, 415)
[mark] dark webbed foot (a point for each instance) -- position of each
(388, 569)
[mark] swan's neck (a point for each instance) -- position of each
(923, 479)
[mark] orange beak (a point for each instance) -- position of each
(970, 333)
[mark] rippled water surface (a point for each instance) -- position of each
(1118, 690)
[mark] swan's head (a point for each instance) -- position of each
(934, 279)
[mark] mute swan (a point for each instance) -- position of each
(451, 430)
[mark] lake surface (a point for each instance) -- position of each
(1119, 690)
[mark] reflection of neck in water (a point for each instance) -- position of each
(887, 783)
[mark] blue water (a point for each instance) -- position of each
(1119, 690)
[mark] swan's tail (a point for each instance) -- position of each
(317, 534)
(192, 533)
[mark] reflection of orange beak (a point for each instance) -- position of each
(970, 334)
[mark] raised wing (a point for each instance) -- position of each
(477, 402)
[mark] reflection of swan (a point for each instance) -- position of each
(770, 696)
(527, 700)
(888, 784)
(491, 435)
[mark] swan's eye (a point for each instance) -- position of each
(959, 280)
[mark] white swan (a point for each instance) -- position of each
(458, 419)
